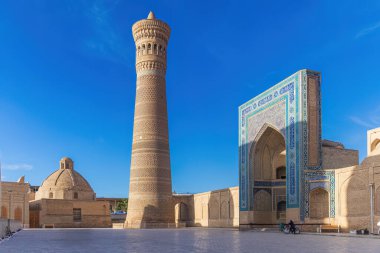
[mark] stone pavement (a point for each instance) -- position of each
(179, 240)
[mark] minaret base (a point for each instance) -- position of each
(149, 225)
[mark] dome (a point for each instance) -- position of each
(65, 183)
(66, 159)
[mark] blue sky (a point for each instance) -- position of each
(67, 81)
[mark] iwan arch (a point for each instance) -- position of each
(281, 153)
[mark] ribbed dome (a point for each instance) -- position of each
(65, 183)
(66, 179)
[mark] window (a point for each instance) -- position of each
(75, 195)
(50, 195)
(281, 172)
(77, 214)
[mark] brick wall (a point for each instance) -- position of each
(333, 158)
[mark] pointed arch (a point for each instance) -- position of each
(354, 197)
(181, 212)
(267, 154)
(375, 146)
(268, 142)
(263, 129)
(319, 203)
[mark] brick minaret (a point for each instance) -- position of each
(150, 190)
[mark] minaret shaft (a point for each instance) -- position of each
(150, 190)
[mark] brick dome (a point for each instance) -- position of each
(65, 183)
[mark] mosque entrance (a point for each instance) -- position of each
(280, 152)
(268, 156)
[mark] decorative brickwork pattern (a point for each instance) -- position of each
(150, 190)
(313, 121)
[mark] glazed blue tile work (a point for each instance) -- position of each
(284, 108)
(320, 179)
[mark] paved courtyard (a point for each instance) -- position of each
(180, 240)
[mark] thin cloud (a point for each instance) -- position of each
(375, 119)
(105, 41)
(368, 30)
(371, 120)
(17, 166)
(360, 122)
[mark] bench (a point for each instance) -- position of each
(329, 228)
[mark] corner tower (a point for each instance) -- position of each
(150, 189)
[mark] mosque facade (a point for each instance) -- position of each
(286, 170)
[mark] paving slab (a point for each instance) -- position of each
(179, 240)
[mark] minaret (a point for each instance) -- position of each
(150, 189)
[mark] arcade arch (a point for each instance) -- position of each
(181, 212)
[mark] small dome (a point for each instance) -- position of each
(66, 163)
(66, 159)
(65, 183)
